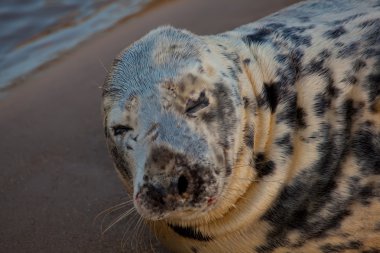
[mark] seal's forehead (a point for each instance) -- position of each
(160, 55)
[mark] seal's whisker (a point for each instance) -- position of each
(113, 209)
(155, 236)
(123, 241)
(155, 231)
(133, 221)
(140, 227)
(104, 67)
(119, 218)
(132, 227)
(140, 231)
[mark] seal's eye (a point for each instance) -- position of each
(120, 129)
(192, 106)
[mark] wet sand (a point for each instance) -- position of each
(56, 175)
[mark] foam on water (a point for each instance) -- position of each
(18, 60)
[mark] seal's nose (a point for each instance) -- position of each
(182, 184)
(171, 182)
(163, 196)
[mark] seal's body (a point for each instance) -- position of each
(262, 139)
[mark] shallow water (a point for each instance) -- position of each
(33, 32)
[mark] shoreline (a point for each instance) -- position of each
(56, 171)
(52, 48)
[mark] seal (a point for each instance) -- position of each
(262, 139)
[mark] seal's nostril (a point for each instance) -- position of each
(182, 184)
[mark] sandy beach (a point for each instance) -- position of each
(56, 175)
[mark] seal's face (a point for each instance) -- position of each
(170, 128)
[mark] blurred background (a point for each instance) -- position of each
(55, 173)
(33, 32)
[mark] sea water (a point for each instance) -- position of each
(33, 32)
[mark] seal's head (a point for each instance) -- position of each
(172, 124)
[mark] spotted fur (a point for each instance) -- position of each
(262, 139)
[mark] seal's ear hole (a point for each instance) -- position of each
(192, 106)
(182, 184)
(121, 130)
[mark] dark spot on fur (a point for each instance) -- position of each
(345, 20)
(120, 163)
(285, 143)
(225, 114)
(228, 170)
(350, 79)
(366, 147)
(235, 58)
(371, 52)
(369, 23)
(375, 106)
(289, 71)
(288, 114)
(350, 109)
(281, 58)
(336, 248)
(194, 250)
(259, 36)
(316, 65)
(301, 114)
(373, 85)
(296, 36)
(332, 91)
(366, 193)
(358, 65)
(232, 72)
(296, 61)
(248, 136)
(335, 33)
(263, 166)
(247, 61)
(191, 233)
(349, 50)
(209, 116)
(275, 26)
(271, 95)
(160, 157)
(321, 104)
(222, 47)
(246, 102)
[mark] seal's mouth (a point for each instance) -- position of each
(177, 213)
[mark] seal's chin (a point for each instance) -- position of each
(179, 213)
(179, 209)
